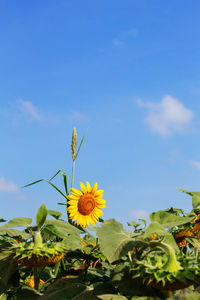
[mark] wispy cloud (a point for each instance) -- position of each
(29, 110)
(124, 36)
(195, 164)
(139, 214)
(168, 116)
(8, 186)
(77, 116)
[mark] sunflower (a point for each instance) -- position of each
(85, 205)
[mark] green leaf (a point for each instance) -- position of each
(195, 197)
(112, 297)
(80, 145)
(168, 219)
(28, 293)
(64, 226)
(14, 233)
(49, 182)
(169, 240)
(72, 242)
(114, 241)
(154, 227)
(54, 213)
(64, 178)
(8, 268)
(15, 222)
(41, 215)
(64, 289)
(2, 220)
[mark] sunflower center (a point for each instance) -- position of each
(86, 204)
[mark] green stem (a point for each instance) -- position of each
(37, 239)
(36, 278)
(57, 266)
(73, 167)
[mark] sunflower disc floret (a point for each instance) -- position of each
(85, 205)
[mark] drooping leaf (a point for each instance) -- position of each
(28, 293)
(169, 240)
(16, 222)
(72, 242)
(14, 233)
(49, 182)
(195, 197)
(154, 227)
(8, 268)
(63, 225)
(114, 241)
(41, 215)
(168, 219)
(54, 213)
(64, 288)
(64, 179)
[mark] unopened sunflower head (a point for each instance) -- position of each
(85, 205)
(28, 255)
(74, 143)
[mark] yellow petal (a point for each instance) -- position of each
(73, 197)
(83, 188)
(76, 192)
(98, 193)
(94, 188)
(101, 205)
(100, 201)
(88, 187)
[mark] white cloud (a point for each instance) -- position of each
(124, 36)
(29, 110)
(77, 116)
(118, 43)
(139, 214)
(167, 117)
(8, 186)
(195, 164)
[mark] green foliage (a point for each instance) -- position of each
(195, 197)
(169, 218)
(41, 215)
(16, 222)
(114, 241)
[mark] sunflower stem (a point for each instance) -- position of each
(73, 167)
(36, 278)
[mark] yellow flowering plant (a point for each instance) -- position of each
(60, 259)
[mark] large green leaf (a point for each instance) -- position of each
(195, 197)
(8, 269)
(14, 233)
(114, 241)
(169, 239)
(16, 222)
(41, 215)
(154, 227)
(64, 289)
(168, 219)
(55, 213)
(63, 225)
(72, 241)
(28, 293)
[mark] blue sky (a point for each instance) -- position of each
(126, 71)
